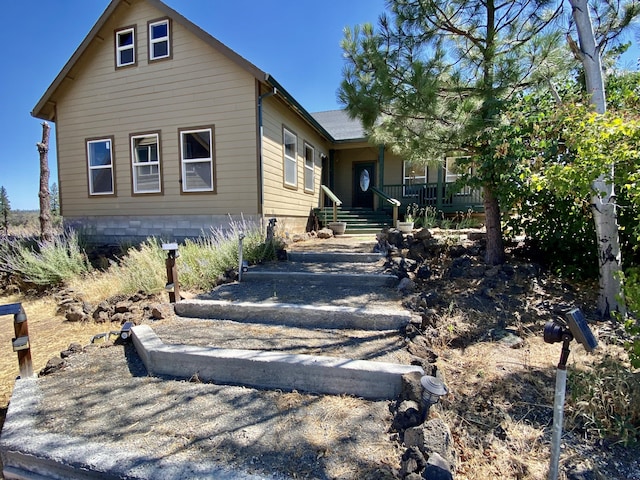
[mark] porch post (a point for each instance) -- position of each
(440, 187)
(380, 184)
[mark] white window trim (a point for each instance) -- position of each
(135, 164)
(407, 179)
(185, 162)
(153, 41)
(120, 49)
(309, 170)
(452, 177)
(287, 158)
(91, 168)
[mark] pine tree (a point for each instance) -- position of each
(55, 199)
(432, 79)
(5, 208)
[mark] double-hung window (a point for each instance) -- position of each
(309, 167)
(196, 152)
(126, 47)
(100, 166)
(413, 179)
(159, 39)
(290, 150)
(145, 163)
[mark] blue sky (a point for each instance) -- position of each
(39, 36)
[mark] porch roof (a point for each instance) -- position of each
(340, 125)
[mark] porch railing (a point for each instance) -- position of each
(442, 196)
(326, 191)
(395, 203)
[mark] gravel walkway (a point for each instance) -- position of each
(105, 399)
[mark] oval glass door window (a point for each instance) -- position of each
(365, 180)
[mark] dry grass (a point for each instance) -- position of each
(49, 334)
(500, 405)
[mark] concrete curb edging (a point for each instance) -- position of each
(271, 370)
(340, 279)
(312, 316)
(321, 257)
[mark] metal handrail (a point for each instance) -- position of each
(332, 196)
(394, 203)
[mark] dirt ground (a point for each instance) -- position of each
(499, 408)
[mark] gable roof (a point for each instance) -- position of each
(340, 125)
(45, 108)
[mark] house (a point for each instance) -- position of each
(162, 130)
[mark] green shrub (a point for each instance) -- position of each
(142, 268)
(632, 325)
(203, 260)
(45, 264)
(559, 233)
(200, 262)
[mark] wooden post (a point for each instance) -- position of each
(440, 190)
(21, 343)
(21, 329)
(172, 277)
(172, 286)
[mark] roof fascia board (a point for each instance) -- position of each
(36, 112)
(288, 98)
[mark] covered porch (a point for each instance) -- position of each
(362, 176)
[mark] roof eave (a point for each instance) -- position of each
(293, 103)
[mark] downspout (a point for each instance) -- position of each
(260, 148)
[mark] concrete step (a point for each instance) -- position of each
(307, 316)
(271, 370)
(371, 280)
(332, 257)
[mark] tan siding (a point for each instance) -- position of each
(280, 200)
(103, 101)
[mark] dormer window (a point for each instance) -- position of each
(159, 39)
(126, 47)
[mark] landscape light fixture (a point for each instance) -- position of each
(432, 389)
(125, 330)
(576, 328)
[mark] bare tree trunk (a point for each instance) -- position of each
(603, 201)
(46, 227)
(495, 246)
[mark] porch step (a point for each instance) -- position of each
(359, 220)
(329, 257)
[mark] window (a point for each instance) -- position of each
(196, 151)
(413, 179)
(100, 163)
(309, 167)
(126, 47)
(159, 40)
(453, 173)
(290, 144)
(145, 162)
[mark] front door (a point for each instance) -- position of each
(363, 179)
